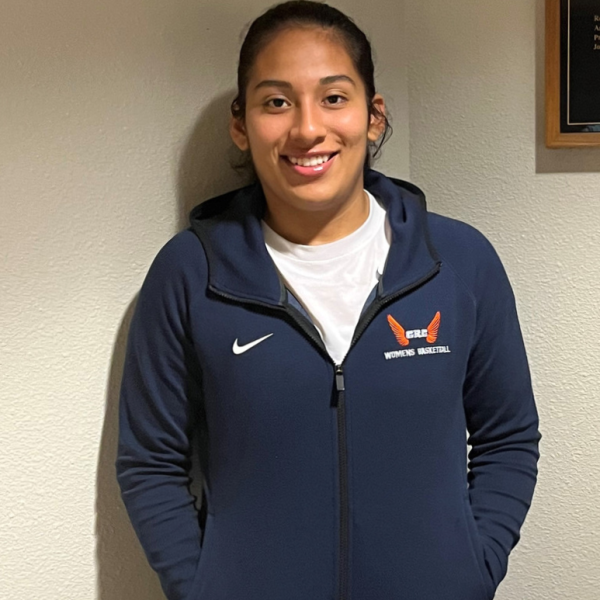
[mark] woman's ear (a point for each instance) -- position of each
(377, 118)
(237, 130)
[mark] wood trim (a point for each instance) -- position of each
(554, 138)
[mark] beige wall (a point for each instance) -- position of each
(112, 125)
(476, 117)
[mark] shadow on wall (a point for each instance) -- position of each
(562, 160)
(204, 170)
(207, 158)
(123, 572)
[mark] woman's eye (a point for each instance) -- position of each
(276, 103)
(335, 99)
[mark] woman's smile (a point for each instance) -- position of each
(315, 165)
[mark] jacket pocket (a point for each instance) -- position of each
(194, 593)
(477, 549)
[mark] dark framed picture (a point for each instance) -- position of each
(572, 73)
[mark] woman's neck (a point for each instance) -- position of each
(315, 227)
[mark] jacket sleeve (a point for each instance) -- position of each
(501, 417)
(159, 388)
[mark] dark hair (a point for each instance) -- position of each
(305, 13)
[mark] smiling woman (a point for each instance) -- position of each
(328, 340)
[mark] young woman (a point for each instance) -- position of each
(330, 342)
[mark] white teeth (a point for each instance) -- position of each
(313, 161)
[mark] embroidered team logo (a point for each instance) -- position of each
(405, 337)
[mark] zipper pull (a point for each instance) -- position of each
(340, 386)
(339, 378)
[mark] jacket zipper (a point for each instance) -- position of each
(344, 549)
(340, 403)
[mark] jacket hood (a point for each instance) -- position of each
(229, 228)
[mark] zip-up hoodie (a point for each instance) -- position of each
(324, 481)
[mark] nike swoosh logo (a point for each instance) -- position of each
(241, 349)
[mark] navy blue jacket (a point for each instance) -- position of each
(324, 481)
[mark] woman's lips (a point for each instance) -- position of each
(315, 171)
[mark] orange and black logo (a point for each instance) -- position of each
(404, 337)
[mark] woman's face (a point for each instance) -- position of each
(306, 104)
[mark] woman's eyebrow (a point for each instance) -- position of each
(335, 78)
(286, 84)
(273, 83)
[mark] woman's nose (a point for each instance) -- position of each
(309, 125)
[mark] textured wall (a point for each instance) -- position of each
(112, 125)
(476, 118)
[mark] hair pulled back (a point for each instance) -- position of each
(308, 13)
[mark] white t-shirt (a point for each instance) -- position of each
(333, 281)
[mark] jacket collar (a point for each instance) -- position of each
(240, 267)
